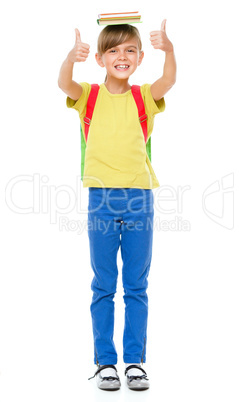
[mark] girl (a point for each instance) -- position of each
(120, 179)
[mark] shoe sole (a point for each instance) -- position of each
(138, 389)
(109, 389)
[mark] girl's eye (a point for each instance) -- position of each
(129, 50)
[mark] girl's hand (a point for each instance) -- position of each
(80, 51)
(159, 39)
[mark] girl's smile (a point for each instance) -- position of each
(122, 67)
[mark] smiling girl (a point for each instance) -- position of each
(120, 178)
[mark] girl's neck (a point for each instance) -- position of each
(117, 86)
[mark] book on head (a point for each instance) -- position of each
(119, 18)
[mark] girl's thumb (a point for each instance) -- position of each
(78, 38)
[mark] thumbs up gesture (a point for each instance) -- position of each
(159, 39)
(80, 51)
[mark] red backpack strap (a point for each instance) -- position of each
(90, 107)
(135, 89)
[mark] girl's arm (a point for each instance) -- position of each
(79, 53)
(160, 40)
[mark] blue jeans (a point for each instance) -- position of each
(120, 217)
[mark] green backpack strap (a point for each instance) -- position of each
(83, 147)
(148, 148)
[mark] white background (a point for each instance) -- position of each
(46, 344)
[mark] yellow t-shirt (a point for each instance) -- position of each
(115, 154)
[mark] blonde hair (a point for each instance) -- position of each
(114, 35)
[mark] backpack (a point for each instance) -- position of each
(135, 89)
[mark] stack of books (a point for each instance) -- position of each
(118, 18)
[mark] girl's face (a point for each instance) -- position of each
(121, 61)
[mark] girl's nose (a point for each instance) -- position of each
(122, 56)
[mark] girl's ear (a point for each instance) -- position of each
(99, 60)
(141, 58)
